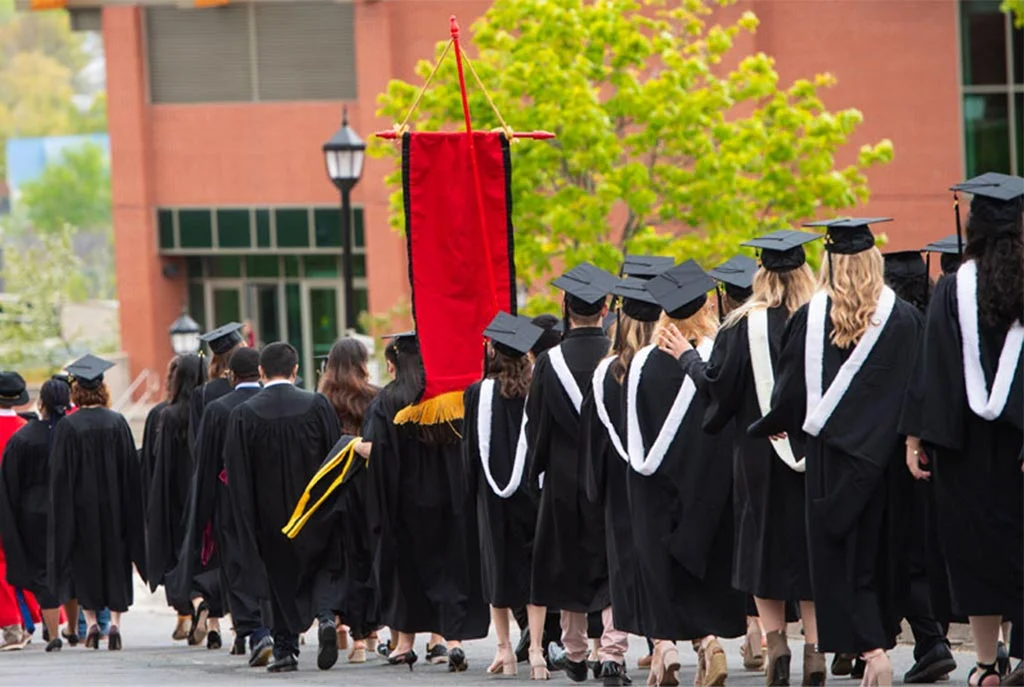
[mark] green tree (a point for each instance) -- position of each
(1016, 7)
(660, 145)
(75, 191)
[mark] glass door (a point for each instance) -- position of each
(223, 304)
(265, 313)
(321, 324)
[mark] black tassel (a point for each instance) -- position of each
(721, 310)
(959, 230)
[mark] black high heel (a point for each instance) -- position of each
(457, 661)
(71, 639)
(114, 639)
(92, 639)
(408, 658)
(987, 670)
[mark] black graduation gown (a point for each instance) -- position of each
(606, 486)
(425, 559)
(208, 505)
(570, 565)
(147, 453)
(506, 525)
(202, 397)
(976, 464)
(276, 441)
(24, 506)
(682, 517)
(770, 547)
(95, 528)
(168, 495)
(847, 480)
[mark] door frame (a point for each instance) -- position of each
(305, 286)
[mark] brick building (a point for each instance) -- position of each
(217, 116)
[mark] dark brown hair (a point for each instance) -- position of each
(512, 374)
(346, 383)
(99, 396)
(1000, 259)
(219, 362)
(171, 368)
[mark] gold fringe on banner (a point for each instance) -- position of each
(442, 409)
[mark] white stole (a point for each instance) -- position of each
(988, 406)
(820, 407)
(602, 412)
(764, 380)
(572, 389)
(483, 430)
(648, 464)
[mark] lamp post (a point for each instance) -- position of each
(343, 154)
(185, 334)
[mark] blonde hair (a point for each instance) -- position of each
(789, 289)
(634, 336)
(854, 283)
(703, 323)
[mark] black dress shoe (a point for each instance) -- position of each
(283, 664)
(842, 664)
(327, 652)
(46, 635)
(71, 639)
(932, 666)
(114, 638)
(261, 652)
(557, 657)
(54, 645)
(613, 674)
(523, 647)
(457, 661)
(92, 638)
(577, 672)
(213, 641)
(436, 654)
(238, 646)
(595, 668)
(857, 672)
(1002, 659)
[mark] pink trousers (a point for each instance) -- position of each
(614, 643)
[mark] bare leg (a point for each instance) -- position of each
(90, 618)
(536, 616)
(434, 640)
(115, 618)
(51, 618)
(404, 642)
(772, 613)
(810, 622)
(985, 629)
(499, 618)
(71, 611)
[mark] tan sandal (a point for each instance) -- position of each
(504, 662)
(716, 669)
(671, 666)
(357, 655)
(538, 665)
(753, 658)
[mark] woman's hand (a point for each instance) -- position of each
(672, 342)
(916, 457)
(778, 437)
(363, 448)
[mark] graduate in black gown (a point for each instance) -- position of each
(210, 556)
(169, 492)
(919, 569)
(147, 452)
(680, 491)
(95, 524)
(223, 341)
(569, 568)
(860, 342)
(770, 549)
(276, 442)
(966, 413)
(427, 566)
(24, 503)
(501, 502)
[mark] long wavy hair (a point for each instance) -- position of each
(171, 367)
(189, 375)
(219, 361)
(789, 289)
(511, 374)
(346, 383)
(701, 324)
(1000, 259)
(854, 287)
(632, 335)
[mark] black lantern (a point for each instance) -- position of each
(344, 154)
(185, 335)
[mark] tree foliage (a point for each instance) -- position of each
(667, 140)
(1016, 8)
(75, 191)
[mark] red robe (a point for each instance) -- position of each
(9, 611)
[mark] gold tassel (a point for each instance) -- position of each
(445, 408)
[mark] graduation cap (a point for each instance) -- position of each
(996, 205)
(411, 334)
(552, 336)
(223, 338)
(88, 371)
(681, 291)
(645, 266)
(782, 250)
(948, 249)
(513, 335)
(637, 301)
(13, 391)
(905, 264)
(586, 287)
(848, 235)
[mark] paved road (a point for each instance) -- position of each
(151, 658)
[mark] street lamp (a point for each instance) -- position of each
(185, 334)
(343, 154)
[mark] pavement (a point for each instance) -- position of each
(150, 657)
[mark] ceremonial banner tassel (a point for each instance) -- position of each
(458, 228)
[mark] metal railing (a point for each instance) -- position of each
(127, 405)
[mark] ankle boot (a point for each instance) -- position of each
(814, 666)
(779, 658)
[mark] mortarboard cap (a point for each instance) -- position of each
(637, 302)
(782, 250)
(682, 290)
(223, 338)
(996, 204)
(88, 371)
(949, 253)
(992, 185)
(411, 334)
(905, 264)
(586, 287)
(552, 336)
(848, 235)
(738, 271)
(645, 266)
(513, 335)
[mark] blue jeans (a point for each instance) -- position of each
(102, 617)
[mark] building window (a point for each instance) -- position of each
(267, 51)
(992, 55)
